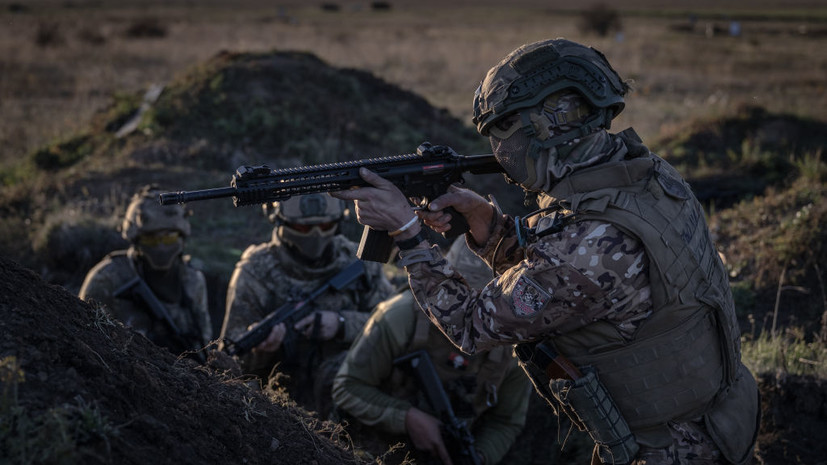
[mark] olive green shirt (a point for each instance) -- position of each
(370, 388)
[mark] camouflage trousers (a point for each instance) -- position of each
(691, 445)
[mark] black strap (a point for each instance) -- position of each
(408, 244)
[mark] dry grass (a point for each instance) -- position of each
(441, 52)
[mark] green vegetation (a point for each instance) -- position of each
(58, 435)
(788, 353)
(292, 105)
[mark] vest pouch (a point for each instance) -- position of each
(588, 403)
(733, 423)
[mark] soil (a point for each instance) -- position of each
(155, 408)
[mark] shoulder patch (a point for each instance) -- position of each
(528, 297)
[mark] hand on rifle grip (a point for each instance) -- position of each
(274, 339)
(458, 224)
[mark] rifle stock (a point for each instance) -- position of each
(425, 175)
(261, 329)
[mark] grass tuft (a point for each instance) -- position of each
(787, 353)
(69, 433)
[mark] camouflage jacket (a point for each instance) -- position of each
(267, 277)
(189, 313)
(487, 390)
(586, 272)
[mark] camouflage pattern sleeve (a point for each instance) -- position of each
(99, 284)
(247, 303)
(502, 248)
(246, 295)
(497, 429)
(588, 271)
(196, 286)
(356, 387)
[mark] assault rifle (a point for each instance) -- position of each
(260, 330)
(424, 175)
(458, 438)
(138, 288)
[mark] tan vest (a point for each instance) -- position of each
(684, 361)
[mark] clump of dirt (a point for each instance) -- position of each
(735, 157)
(78, 387)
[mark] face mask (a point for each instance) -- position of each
(310, 240)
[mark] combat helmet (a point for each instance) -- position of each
(542, 96)
(307, 223)
(145, 215)
(534, 71)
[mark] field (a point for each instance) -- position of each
(732, 92)
(62, 61)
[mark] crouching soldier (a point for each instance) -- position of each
(386, 402)
(151, 287)
(306, 249)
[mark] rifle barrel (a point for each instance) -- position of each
(169, 198)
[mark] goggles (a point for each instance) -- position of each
(159, 238)
(306, 228)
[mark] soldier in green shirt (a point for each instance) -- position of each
(487, 390)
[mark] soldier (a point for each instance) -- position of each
(306, 249)
(487, 391)
(152, 287)
(613, 291)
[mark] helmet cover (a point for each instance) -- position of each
(307, 222)
(529, 74)
(145, 215)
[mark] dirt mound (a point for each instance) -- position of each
(774, 246)
(291, 106)
(279, 108)
(735, 157)
(78, 387)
